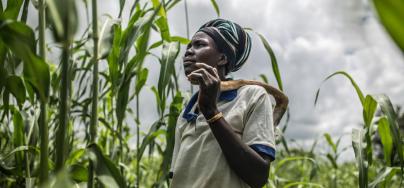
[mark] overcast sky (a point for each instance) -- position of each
(311, 39)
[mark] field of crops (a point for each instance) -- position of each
(67, 121)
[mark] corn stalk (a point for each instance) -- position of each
(94, 104)
(43, 125)
(64, 22)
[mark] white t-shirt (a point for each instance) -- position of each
(198, 161)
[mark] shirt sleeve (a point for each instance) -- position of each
(258, 130)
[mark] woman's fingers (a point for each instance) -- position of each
(203, 77)
(216, 73)
(212, 70)
(208, 68)
(195, 78)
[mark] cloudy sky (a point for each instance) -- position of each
(311, 39)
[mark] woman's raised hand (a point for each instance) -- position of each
(208, 80)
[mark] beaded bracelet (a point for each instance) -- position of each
(215, 117)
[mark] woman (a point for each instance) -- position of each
(225, 135)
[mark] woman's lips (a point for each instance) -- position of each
(188, 67)
(188, 63)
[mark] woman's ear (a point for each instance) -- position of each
(222, 60)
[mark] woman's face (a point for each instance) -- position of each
(201, 49)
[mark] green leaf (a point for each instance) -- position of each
(18, 149)
(169, 54)
(332, 160)
(369, 109)
(3, 53)
(361, 157)
(274, 62)
(14, 33)
(175, 110)
(182, 40)
(386, 138)
(158, 99)
(64, 19)
(121, 6)
(75, 156)
(391, 15)
(122, 101)
(131, 34)
(264, 78)
(18, 137)
(141, 80)
(36, 72)
(78, 173)
(330, 142)
(162, 24)
(18, 132)
(383, 176)
(172, 4)
(216, 7)
(113, 66)
(294, 159)
(21, 40)
(160, 8)
(6, 103)
(16, 86)
(24, 11)
(357, 89)
(106, 38)
(141, 53)
(13, 9)
(107, 173)
(30, 91)
(388, 110)
(154, 131)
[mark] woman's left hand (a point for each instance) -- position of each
(209, 88)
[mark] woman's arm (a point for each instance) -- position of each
(244, 161)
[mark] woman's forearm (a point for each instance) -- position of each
(243, 160)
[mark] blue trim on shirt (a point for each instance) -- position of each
(228, 95)
(188, 115)
(191, 116)
(264, 149)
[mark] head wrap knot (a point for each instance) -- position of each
(231, 39)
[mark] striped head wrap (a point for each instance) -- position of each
(231, 39)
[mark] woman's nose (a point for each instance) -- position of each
(189, 51)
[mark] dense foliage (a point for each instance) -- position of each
(68, 122)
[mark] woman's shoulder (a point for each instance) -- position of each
(252, 91)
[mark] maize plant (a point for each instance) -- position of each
(74, 118)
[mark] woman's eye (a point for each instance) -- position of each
(198, 45)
